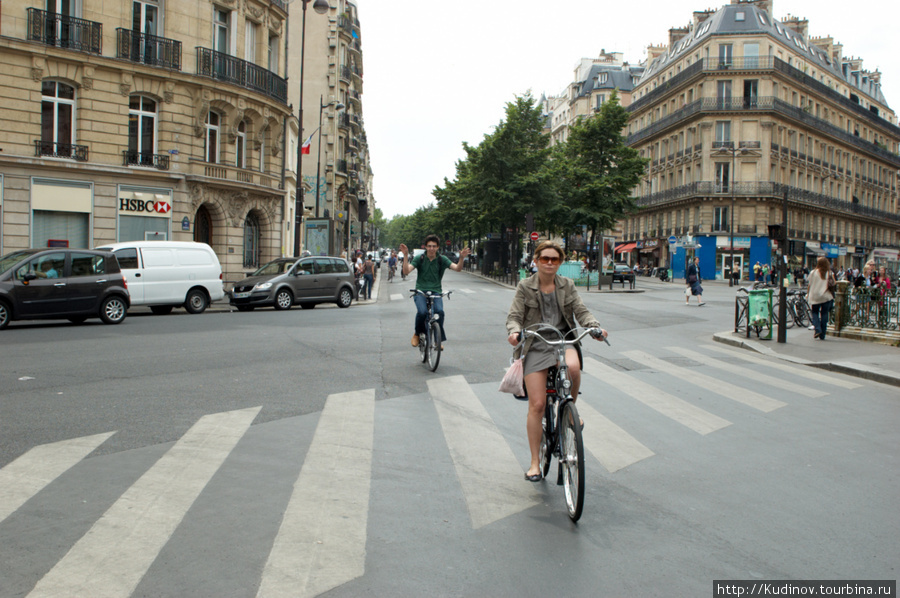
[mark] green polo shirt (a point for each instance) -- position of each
(430, 271)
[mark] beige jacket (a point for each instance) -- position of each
(526, 306)
(818, 288)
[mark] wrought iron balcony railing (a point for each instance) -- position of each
(63, 31)
(135, 158)
(51, 149)
(137, 46)
(223, 67)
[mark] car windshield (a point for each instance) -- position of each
(11, 259)
(274, 268)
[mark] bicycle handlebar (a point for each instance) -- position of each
(429, 293)
(594, 332)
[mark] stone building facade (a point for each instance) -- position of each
(159, 119)
(738, 111)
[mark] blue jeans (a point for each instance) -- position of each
(422, 314)
(819, 314)
(367, 287)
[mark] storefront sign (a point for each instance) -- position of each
(151, 207)
(722, 242)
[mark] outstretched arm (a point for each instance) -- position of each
(459, 263)
(405, 267)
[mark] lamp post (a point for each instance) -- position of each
(321, 7)
(337, 106)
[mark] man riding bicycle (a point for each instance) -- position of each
(392, 265)
(431, 268)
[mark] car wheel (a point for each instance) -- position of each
(196, 301)
(5, 315)
(345, 297)
(78, 319)
(307, 305)
(112, 310)
(244, 307)
(283, 299)
(161, 310)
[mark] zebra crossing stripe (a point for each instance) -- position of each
(396, 296)
(321, 543)
(679, 410)
(745, 373)
(720, 387)
(611, 445)
(113, 556)
(488, 471)
(467, 291)
(794, 370)
(30, 473)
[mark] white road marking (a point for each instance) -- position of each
(488, 291)
(113, 556)
(796, 370)
(468, 291)
(321, 543)
(30, 473)
(490, 475)
(611, 445)
(720, 387)
(396, 296)
(698, 420)
(745, 373)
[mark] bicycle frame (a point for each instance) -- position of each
(429, 347)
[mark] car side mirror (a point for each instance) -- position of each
(29, 276)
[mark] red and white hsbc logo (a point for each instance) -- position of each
(157, 207)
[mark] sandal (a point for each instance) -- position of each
(533, 478)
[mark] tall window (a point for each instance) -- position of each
(722, 177)
(273, 53)
(725, 55)
(57, 118)
(751, 93)
(723, 131)
(222, 31)
(241, 146)
(751, 55)
(141, 130)
(212, 137)
(251, 241)
(723, 93)
(250, 42)
(720, 219)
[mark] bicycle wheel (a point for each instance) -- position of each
(801, 307)
(546, 441)
(434, 346)
(572, 460)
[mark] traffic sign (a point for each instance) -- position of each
(535, 236)
(673, 239)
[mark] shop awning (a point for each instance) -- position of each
(649, 249)
(814, 250)
(625, 247)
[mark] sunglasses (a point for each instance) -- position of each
(546, 259)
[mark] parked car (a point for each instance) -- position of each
(73, 284)
(288, 281)
(168, 274)
(620, 273)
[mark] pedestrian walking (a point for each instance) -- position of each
(368, 276)
(820, 295)
(692, 280)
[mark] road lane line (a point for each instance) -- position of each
(488, 471)
(775, 364)
(608, 443)
(686, 414)
(321, 543)
(468, 291)
(396, 296)
(745, 373)
(720, 387)
(113, 556)
(30, 473)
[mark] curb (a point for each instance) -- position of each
(851, 369)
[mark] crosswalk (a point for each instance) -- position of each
(322, 531)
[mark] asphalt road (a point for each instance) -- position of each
(310, 452)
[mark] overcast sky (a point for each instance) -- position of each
(437, 73)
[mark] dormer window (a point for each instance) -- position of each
(739, 16)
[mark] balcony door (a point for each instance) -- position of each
(61, 31)
(145, 28)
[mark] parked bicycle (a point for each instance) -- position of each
(430, 342)
(561, 424)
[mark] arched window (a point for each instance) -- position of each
(241, 146)
(203, 227)
(212, 137)
(251, 241)
(57, 119)
(141, 131)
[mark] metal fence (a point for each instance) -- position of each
(871, 308)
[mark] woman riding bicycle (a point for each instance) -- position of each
(545, 298)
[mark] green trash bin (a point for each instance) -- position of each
(759, 313)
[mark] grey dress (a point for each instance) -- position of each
(541, 355)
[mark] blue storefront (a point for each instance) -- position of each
(715, 253)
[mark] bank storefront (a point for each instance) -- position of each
(61, 213)
(144, 214)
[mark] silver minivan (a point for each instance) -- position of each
(287, 281)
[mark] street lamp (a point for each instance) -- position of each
(321, 7)
(337, 106)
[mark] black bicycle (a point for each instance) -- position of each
(430, 342)
(562, 424)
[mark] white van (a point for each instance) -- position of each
(167, 274)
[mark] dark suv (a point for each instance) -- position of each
(289, 280)
(75, 284)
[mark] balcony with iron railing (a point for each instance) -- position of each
(63, 31)
(223, 67)
(144, 48)
(51, 149)
(147, 159)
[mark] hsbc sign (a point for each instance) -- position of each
(145, 207)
